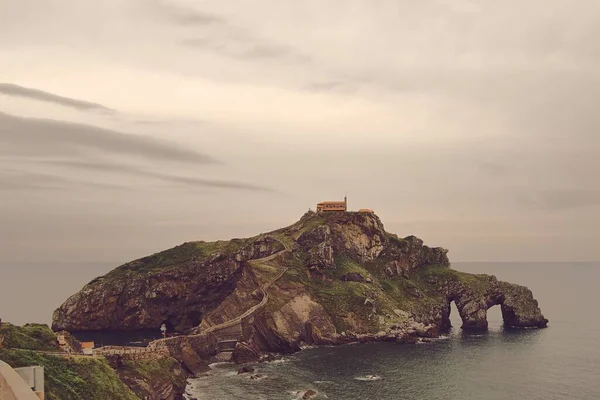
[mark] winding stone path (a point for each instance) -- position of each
(227, 341)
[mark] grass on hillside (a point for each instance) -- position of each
(478, 283)
(73, 378)
(28, 336)
(177, 256)
(147, 369)
(160, 370)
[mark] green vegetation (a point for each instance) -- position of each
(344, 265)
(476, 282)
(265, 268)
(296, 276)
(177, 256)
(398, 290)
(287, 241)
(394, 238)
(161, 371)
(72, 378)
(28, 336)
(308, 225)
(149, 369)
(339, 299)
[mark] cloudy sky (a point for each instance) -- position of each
(130, 126)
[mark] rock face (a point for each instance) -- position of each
(151, 378)
(176, 287)
(519, 308)
(330, 278)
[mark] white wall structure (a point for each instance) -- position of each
(13, 387)
(34, 377)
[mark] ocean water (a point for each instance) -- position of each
(559, 362)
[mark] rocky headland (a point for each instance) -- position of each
(330, 278)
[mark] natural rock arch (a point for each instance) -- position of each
(519, 308)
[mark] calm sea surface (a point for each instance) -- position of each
(560, 362)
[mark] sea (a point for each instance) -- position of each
(559, 362)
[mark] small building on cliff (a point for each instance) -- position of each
(87, 348)
(326, 206)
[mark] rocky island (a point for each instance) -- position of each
(330, 278)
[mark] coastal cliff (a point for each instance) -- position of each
(330, 278)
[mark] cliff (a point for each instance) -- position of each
(151, 378)
(328, 278)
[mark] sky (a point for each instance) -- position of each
(131, 126)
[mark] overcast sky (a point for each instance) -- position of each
(130, 126)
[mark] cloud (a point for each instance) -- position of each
(150, 122)
(132, 170)
(331, 86)
(37, 139)
(35, 94)
(11, 180)
(240, 43)
(181, 15)
(42, 137)
(246, 49)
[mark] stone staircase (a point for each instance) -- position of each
(228, 333)
(227, 340)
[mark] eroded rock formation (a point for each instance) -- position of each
(177, 287)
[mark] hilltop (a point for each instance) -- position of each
(330, 278)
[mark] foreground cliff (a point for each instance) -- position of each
(329, 278)
(74, 376)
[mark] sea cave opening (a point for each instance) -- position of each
(455, 319)
(169, 325)
(452, 320)
(495, 318)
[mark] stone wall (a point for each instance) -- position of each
(133, 353)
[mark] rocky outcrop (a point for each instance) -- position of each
(359, 235)
(474, 296)
(132, 301)
(177, 287)
(194, 351)
(321, 249)
(409, 255)
(262, 332)
(151, 378)
(330, 278)
(68, 343)
(245, 353)
(260, 248)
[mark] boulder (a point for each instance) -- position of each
(244, 353)
(245, 370)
